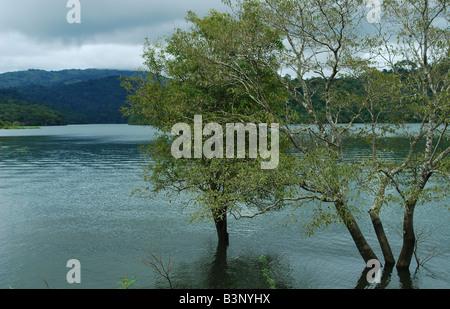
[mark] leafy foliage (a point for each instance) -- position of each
(182, 85)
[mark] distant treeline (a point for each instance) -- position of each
(16, 111)
(76, 96)
(352, 92)
(93, 101)
(54, 78)
(37, 97)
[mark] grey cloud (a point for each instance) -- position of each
(46, 19)
(36, 34)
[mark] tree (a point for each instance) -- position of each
(179, 84)
(381, 96)
(320, 38)
(417, 31)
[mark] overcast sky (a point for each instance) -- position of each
(35, 34)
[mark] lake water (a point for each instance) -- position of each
(65, 193)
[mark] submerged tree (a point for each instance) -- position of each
(178, 86)
(322, 39)
(319, 40)
(417, 32)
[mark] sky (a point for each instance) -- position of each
(36, 34)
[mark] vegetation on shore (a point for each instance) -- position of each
(6, 127)
(16, 111)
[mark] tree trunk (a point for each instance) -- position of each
(364, 248)
(382, 239)
(221, 227)
(374, 213)
(409, 238)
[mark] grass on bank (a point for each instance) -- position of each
(18, 128)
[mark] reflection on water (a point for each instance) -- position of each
(243, 272)
(215, 270)
(65, 193)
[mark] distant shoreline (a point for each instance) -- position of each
(18, 128)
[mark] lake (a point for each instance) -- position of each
(65, 193)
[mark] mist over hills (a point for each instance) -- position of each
(81, 96)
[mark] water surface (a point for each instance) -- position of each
(65, 193)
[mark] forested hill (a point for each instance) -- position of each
(95, 96)
(16, 111)
(93, 101)
(82, 96)
(54, 78)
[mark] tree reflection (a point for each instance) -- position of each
(217, 270)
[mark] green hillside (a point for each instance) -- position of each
(82, 96)
(93, 101)
(52, 78)
(16, 111)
